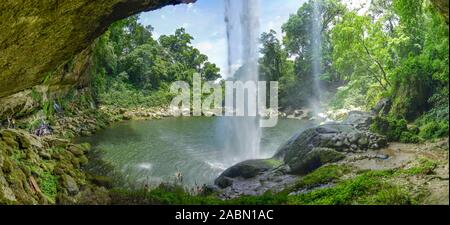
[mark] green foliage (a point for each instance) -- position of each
(122, 94)
(434, 129)
(296, 79)
(424, 166)
(399, 49)
(134, 69)
(409, 137)
(48, 184)
(392, 195)
(275, 66)
(164, 194)
(323, 175)
(389, 126)
(364, 65)
(396, 130)
(48, 109)
(367, 188)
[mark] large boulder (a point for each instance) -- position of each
(245, 170)
(312, 160)
(323, 144)
(300, 155)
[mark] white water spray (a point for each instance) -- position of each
(242, 23)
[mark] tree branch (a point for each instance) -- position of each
(377, 62)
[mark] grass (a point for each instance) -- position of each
(367, 188)
(424, 166)
(323, 175)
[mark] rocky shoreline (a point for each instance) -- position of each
(46, 167)
(348, 144)
(303, 153)
(49, 169)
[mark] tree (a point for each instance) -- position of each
(275, 66)
(360, 51)
(129, 60)
(298, 43)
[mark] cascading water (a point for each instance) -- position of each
(242, 24)
(316, 47)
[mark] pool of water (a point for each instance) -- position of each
(154, 151)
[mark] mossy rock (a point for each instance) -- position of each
(76, 150)
(313, 160)
(69, 184)
(102, 181)
(19, 139)
(247, 169)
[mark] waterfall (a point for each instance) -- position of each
(316, 46)
(242, 24)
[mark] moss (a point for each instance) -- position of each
(408, 137)
(389, 195)
(267, 198)
(424, 166)
(102, 181)
(273, 162)
(7, 166)
(434, 129)
(83, 160)
(323, 175)
(164, 194)
(395, 129)
(366, 188)
(389, 126)
(48, 184)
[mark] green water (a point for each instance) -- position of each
(153, 151)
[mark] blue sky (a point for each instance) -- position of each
(204, 20)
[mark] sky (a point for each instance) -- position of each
(204, 20)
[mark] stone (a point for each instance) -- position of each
(246, 170)
(76, 150)
(303, 153)
(102, 181)
(313, 160)
(45, 155)
(56, 142)
(70, 184)
(223, 182)
(363, 140)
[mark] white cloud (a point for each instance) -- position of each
(204, 20)
(186, 25)
(204, 46)
(216, 50)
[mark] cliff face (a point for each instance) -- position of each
(44, 44)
